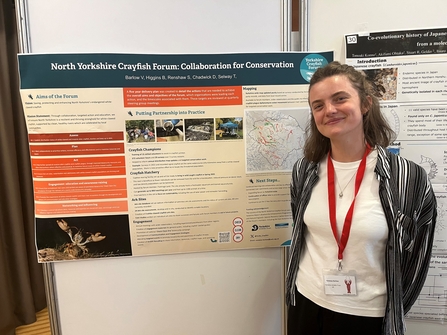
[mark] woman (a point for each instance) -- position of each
(363, 218)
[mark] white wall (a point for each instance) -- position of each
(330, 20)
(219, 293)
(155, 26)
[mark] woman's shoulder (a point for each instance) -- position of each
(303, 164)
(401, 165)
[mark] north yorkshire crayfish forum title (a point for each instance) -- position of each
(161, 67)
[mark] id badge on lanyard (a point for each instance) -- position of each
(337, 281)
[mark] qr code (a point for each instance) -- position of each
(224, 237)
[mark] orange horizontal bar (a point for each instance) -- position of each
(86, 185)
(81, 208)
(78, 163)
(111, 194)
(92, 172)
(77, 137)
(77, 149)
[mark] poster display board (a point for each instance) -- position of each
(137, 154)
(409, 70)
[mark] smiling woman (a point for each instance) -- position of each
(340, 279)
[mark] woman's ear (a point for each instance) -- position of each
(367, 105)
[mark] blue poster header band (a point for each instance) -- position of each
(135, 70)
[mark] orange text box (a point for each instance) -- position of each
(77, 137)
(77, 149)
(64, 190)
(78, 167)
(77, 163)
(81, 208)
(88, 185)
(111, 194)
(54, 173)
(183, 96)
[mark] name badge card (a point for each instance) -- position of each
(339, 283)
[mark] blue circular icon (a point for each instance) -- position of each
(310, 64)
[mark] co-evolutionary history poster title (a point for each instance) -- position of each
(138, 154)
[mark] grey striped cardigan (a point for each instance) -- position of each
(409, 205)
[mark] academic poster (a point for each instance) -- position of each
(136, 154)
(409, 70)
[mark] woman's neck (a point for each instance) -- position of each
(347, 152)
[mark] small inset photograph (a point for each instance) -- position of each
(168, 130)
(199, 129)
(139, 131)
(229, 128)
(394, 148)
(69, 238)
(385, 82)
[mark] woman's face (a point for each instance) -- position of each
(336, 109)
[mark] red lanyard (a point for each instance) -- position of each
(343, 241)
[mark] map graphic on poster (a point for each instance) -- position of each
(137, 154)
(274, 139)
(409, 71)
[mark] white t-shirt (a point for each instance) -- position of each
(365, 250)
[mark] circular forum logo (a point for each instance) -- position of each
(310, 64)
